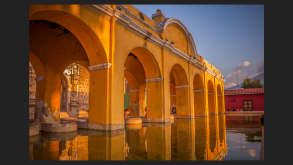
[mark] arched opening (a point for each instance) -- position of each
(143, 86)
(212, 116)
(56, 47)
(179, 92)
(198, 91)
(134, 78)
(75, 91)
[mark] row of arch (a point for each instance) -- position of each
(59, 38)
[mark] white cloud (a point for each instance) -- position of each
(246, 63)
(231, 84)
(242, 71)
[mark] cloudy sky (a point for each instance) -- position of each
(231, 37)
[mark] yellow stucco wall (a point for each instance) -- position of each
(104, 39)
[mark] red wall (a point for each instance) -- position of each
(258, 101)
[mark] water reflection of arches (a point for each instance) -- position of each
(212, 116)
(179, 89)
(201, 138)
(183, 139)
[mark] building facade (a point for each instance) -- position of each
(251, 99)
(157, 56)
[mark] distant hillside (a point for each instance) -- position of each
(259, 76)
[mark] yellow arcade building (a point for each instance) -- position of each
(121, 50)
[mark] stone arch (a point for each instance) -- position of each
(148, 61)
(92, 52)
(198, 91)
(178, 23)
(133, 93)
(152, 80)
(212, 117)
(179, 76)
(84, 33)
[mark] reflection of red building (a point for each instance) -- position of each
(251, 99)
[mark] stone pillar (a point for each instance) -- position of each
(199, 108)
(74, 103)
(155, 105)
(102, 113)
(142, 103)
(182, 106)
(134, 102)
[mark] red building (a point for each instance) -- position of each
(251, 99)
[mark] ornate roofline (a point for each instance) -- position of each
(163, 25)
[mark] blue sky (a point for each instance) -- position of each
(228, 36)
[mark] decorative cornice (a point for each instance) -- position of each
(162, 26)
(99, 66)
(136, 18)
(154, 79)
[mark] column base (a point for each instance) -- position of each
(103, 127)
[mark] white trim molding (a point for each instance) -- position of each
(99, 66)
(182, 86)
(154, 79)
(198, 91)
(133, 90)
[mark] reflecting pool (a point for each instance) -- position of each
(214, 138)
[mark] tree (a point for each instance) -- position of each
(247, 83)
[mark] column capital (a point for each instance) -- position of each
(154, 79)
(99, 66)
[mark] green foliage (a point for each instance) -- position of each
(247, 83)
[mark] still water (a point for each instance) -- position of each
(214, 138)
